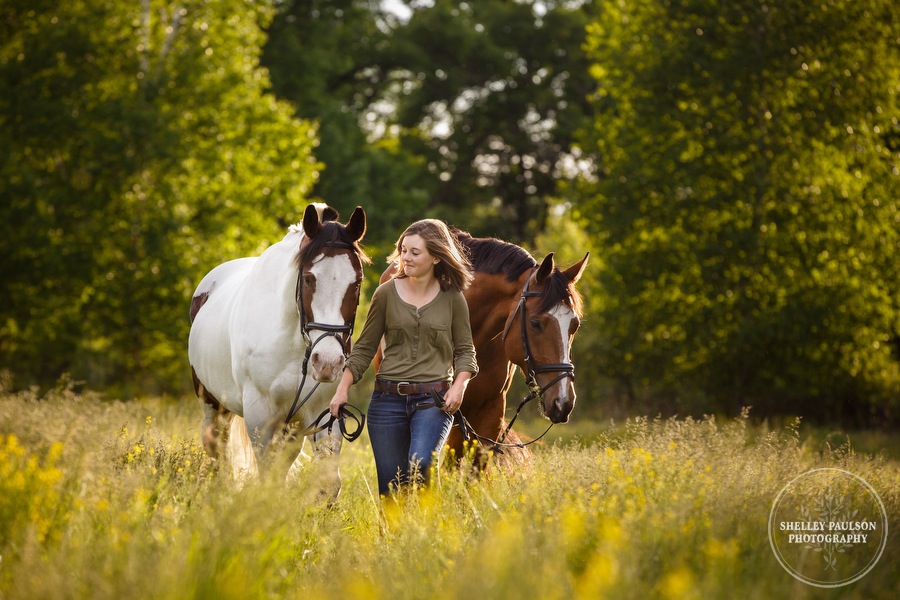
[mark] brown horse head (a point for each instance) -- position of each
(539, 332)
(330, 274)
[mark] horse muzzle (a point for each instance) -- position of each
(326, 367)
(559, 409)
(558, 396)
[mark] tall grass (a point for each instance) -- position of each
(104, 499)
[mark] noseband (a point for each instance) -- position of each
(565, 370)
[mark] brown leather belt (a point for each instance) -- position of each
(406, 388)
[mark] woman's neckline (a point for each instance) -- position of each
(417, 307)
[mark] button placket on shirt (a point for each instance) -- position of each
(415, 350)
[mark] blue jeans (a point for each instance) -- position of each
(405, 439)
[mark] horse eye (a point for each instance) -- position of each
(307, 280)
(536, 325)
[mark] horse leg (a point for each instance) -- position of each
(455, 443)
(210, 430)
(239, 450)
(300, 460)
(487, 422)
(250, 437)
(483, 407)
(326, 450)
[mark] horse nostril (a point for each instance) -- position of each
(325, 365)
(561, 410)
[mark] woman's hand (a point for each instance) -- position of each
(341, 393)
(337, 401)
(453, 399)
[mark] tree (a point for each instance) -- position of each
(493, 93)
(469, 109)
(748, 202)
(140, 149)
(321, 54)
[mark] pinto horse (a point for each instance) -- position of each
(260, 325)
(523, 314)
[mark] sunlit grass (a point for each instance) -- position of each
(106, 499)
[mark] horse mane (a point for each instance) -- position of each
(330, 233)
(496, 257)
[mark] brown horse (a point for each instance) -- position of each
(523, 314)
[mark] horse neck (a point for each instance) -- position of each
(492, 300)
(285, 280)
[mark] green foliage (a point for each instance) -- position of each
(747, 203)
(140, 149)
(738, 192)
(323, 56)
(466, 111)
(492, 94)
(653, 509)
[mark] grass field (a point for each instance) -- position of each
(102, 499)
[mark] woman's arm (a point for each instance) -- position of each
(363, 352)
(463, 344)
(464, 364)
(367, 345)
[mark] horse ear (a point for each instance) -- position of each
(356, 226)
(574, 272)
(330, 214)
(311, 223)
(545, 269)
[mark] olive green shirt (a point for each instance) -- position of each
(429, 344)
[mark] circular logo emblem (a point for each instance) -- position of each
(828, 527)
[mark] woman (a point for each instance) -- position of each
(423, 317)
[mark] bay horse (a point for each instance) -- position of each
(523, 314)
(259, 325)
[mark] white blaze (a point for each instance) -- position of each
(564, 316)
(334, 275)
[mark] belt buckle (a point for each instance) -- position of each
(399, 391)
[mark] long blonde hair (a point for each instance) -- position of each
(454, 269)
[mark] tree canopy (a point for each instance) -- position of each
(467, 110)
(748, 198)
(733, 169)
(139, 146)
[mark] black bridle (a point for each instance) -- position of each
(343, 334)
(565, 370)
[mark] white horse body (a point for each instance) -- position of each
(209, 344)
(247, 346)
